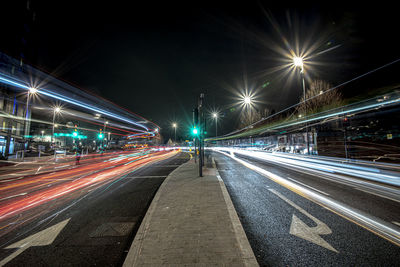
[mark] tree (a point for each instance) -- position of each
(319, 98)
(248, 117)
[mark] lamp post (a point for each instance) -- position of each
(31, 91)
(174, 125)
(104, 131)
(298, 63)
(247, 103)
(56, 110)
(215, 116)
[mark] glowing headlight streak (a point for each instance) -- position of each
(96, 175)
(368, 173)
(71, 101)
(342, 111)
(367, 221)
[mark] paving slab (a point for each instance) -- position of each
(191, 222)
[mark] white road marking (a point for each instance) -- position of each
(396, 223)
(62, 166)
(22, 194)
(42, 238)
(302, 230)
(38, 169)
(373, 224)
(322, 192)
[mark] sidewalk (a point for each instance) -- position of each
(191, 222)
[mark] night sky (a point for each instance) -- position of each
(155, 59)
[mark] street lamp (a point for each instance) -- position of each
(215, 116)
(56, 110)
(298, 63)
(31, 91)
(174, 125)
(247, 101)
(105, 136)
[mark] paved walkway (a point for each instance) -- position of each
(191, 222)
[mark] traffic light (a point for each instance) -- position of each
(75, 132)
(195, 130)
(100, 135)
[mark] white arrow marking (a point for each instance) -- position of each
(42, 238)
(302, 230)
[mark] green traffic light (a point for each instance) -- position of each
(100, 136)
(195, 132)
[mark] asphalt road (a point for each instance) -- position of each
(285, 228)
(97, 228)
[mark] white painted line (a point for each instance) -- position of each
(322, 192)
(396, 223)
(62, 166)
(376, 225)
(42, 238)
(38, 169)
(22, 194)
(302, 230)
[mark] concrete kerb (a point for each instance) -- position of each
(137, 245)
(247, 253)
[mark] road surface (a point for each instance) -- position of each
(294, 217)
(85, 215)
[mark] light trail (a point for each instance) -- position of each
(75, 102)
(368, 173)
(79, 178)
(367, 221)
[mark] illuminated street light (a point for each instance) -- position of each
(31, 91)
(247, 100)
(298, 63)
(104, 131)
(174, 125)
(215, 116)
(56, 110)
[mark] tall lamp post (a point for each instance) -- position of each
(104, 131)
(56, 110)
(247, 103)
(215, 116)
(174, 125)
(31, 91)
(298, 63)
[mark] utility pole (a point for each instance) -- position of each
(200, 108)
